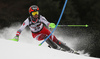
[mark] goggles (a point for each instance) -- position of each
(34, 13)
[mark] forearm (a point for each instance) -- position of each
(21, 29)
(18, 33)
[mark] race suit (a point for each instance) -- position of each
(39, 31)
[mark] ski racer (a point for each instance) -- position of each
(36, 24)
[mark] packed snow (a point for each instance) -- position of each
(17, 50)
(27, 47)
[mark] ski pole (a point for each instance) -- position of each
(74, 25)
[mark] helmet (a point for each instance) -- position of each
(33, 8)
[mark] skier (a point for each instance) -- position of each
(36, 24)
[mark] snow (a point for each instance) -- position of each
(18, 50)
(27, 47)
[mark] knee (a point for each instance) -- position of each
(41, 37)
(55, 39)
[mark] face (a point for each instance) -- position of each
(35, 14)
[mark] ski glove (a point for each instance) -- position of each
(52, 25)
(16, 38)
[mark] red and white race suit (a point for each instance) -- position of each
(39, 31)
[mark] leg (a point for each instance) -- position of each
(48, 41)
(61, 44)
(54, 39)
(64, 46)
(51, 43)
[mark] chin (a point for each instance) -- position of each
(35, 17)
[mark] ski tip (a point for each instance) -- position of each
(40, 44)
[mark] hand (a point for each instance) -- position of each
(16, 38)
(52, 25)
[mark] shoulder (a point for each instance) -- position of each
(26, 21)
(42, 17)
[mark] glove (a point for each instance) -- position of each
(16, 38)
(52, 25)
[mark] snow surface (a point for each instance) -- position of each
(18, 50)
(27, 47)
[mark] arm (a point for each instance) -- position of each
(51, 25)
(44, 20)
(25, 23)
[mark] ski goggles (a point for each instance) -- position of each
(35, 13)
